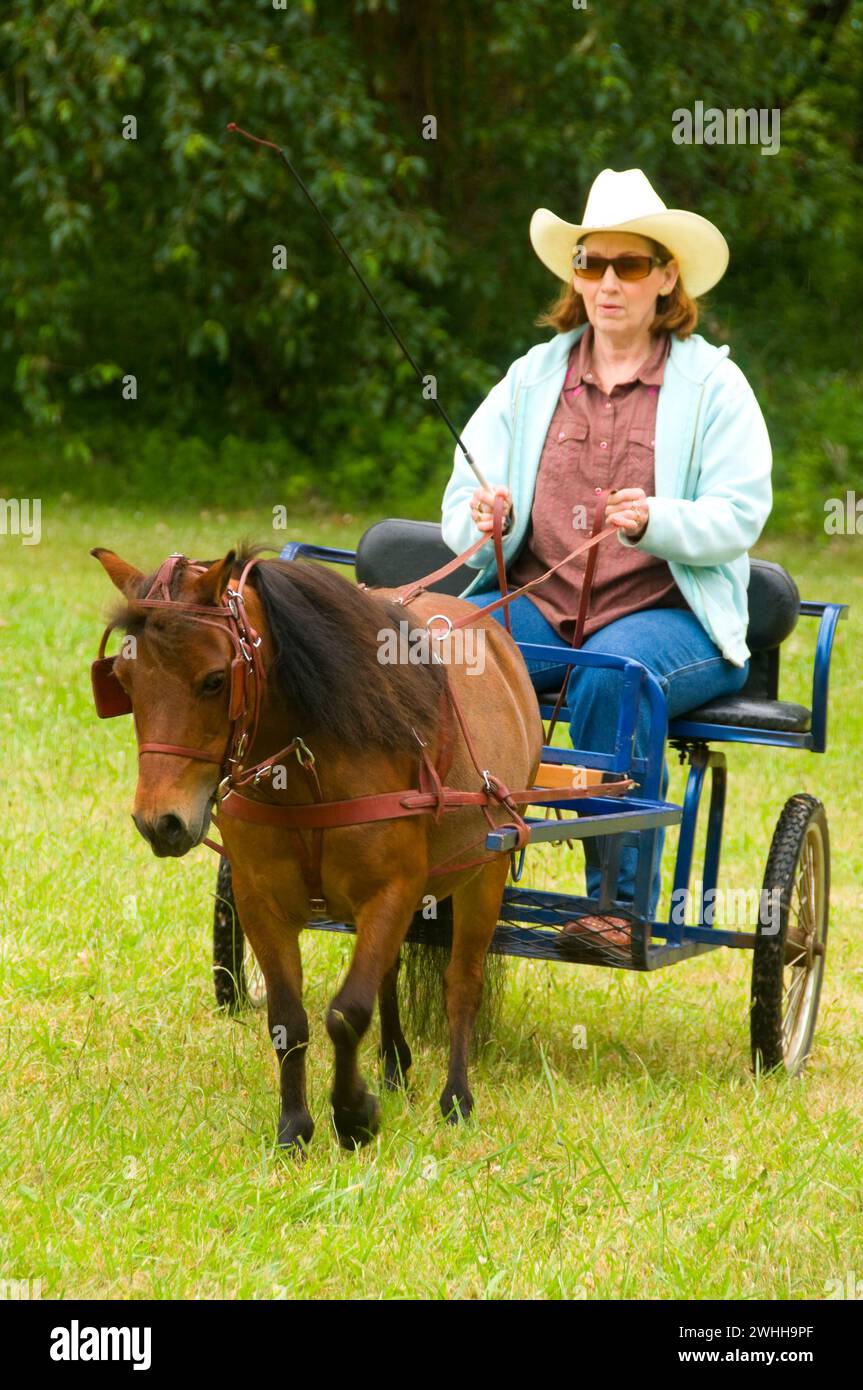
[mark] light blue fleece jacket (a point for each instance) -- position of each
(712, 474)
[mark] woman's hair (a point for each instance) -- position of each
(675, 312)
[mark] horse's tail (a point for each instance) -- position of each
(424, 959)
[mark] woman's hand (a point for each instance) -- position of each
(482, 502)
(629, 510)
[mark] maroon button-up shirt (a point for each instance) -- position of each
(595, 441)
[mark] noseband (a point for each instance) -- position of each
(247, 670)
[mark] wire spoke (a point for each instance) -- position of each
(793, 1017)
(791, 995)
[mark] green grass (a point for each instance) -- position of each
(137, 1125)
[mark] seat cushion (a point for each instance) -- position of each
(779, 716)
(774, 605)
(394, 552)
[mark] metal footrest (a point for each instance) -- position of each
(532, 922)
(597, 815)
(560, 926)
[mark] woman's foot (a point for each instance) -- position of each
(611, 931)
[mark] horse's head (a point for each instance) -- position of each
(177, 673)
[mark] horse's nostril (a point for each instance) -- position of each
(170, 829)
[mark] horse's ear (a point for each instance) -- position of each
(125, 576)
(208, 587)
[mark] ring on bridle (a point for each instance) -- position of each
(439, 636)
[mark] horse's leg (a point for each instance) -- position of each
(475, 913)
(276, 945)
(395, 1053)
(289, 1031)
(382, 923)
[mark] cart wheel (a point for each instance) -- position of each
(237, 976)
(788, 964)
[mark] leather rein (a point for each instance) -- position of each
(247, 688)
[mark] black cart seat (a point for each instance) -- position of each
(774, 607)
(394, 552)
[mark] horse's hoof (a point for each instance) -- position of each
(455, 1108)
(295, 1133)
(357, 1124)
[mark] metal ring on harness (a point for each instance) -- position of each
(439, 636)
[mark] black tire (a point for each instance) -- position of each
(788, 964)
(236, 974)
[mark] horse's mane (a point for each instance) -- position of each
(324, 631)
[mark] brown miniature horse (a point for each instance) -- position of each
(362, 719)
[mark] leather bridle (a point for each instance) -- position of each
(247, 679)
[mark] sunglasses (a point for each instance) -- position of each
(625, 267)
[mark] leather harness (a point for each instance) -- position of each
(248, 679)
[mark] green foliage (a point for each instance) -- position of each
(387, 468)
(154, 256)
(820, 450)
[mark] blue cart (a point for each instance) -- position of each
(789, 935)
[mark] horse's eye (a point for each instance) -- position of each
(213, 682)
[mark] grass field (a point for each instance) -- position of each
(137, 1125)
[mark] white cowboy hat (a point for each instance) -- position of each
(626, 202)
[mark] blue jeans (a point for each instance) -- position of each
(672, 644)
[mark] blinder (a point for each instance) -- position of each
(110, 697)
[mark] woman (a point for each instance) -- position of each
(626, 396)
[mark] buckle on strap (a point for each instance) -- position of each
(318, 907)
(498, 789)
(304, 755)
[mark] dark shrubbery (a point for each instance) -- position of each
(153, 257)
